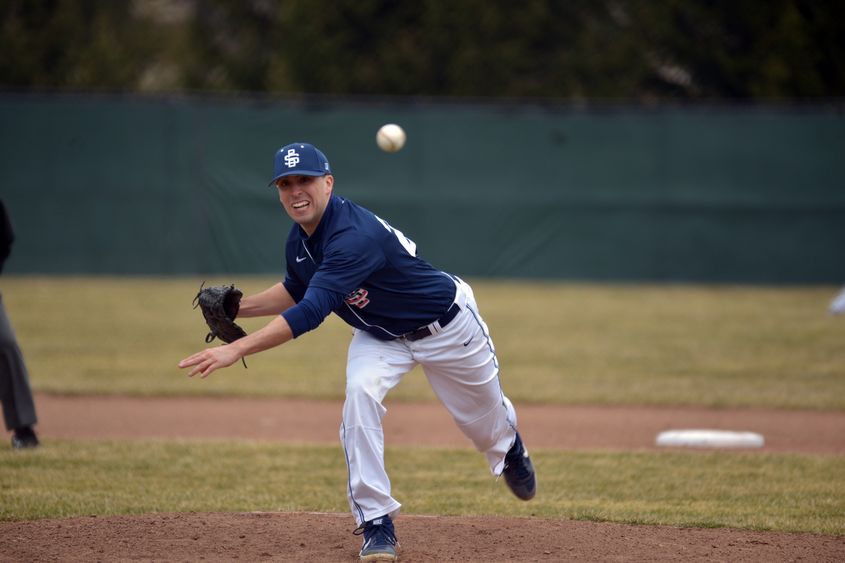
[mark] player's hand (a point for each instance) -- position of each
(211, 359)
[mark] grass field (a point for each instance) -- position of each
(761, 492)
(557, 343)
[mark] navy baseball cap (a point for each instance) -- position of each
(301, 159)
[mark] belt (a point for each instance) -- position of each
(447, 317)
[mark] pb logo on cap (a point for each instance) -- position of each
(299, 159)
(291, 158)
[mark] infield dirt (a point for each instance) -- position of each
(326, 537)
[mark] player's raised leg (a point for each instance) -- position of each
(461, 366)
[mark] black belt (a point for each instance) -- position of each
(447, 317)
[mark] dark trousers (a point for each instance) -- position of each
(15, 393)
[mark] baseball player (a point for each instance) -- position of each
(837, 306)
(342, 258)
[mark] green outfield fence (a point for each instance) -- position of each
(101, 184)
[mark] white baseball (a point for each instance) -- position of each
(390, 137)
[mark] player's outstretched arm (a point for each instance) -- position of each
(275, 333)
(271, 301)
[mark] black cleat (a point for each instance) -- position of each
(379, 540)
(24, 438)
(519, 472)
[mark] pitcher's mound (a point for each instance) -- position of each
(328, 537)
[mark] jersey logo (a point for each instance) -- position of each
(298, 259)
(358, 298)
(291, 158)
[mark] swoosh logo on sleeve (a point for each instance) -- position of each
(300, 259)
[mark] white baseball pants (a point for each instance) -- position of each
(460, 363)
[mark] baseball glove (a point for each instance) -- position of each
(220, 305)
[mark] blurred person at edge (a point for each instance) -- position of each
(15, 393)
(837, 306)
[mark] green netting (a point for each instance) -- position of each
(112, 185)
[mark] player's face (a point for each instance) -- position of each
(305, 198)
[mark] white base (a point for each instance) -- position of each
(709, 439)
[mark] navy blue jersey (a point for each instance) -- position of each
(364, 270)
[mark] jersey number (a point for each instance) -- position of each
(406, 243)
